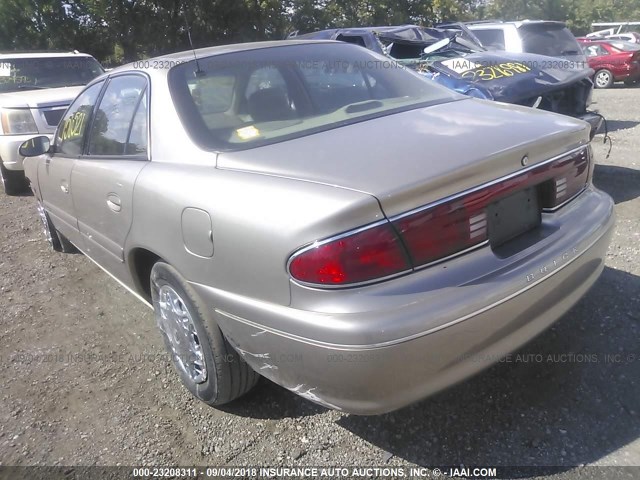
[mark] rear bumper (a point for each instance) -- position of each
(409, 344)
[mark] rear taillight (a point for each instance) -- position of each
(368, 254)
(437, 231)
(444, 229)
(568, 178)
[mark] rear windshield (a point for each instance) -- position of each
(554, 40)
(33, 73)
(256, 97)
(492, 39)
(625, 46)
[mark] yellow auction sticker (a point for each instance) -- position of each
(247, 133)
(495, 72)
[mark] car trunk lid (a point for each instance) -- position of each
(413, 158)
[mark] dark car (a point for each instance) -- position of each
(455, 58)
(612, 61)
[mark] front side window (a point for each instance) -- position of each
(270, 95)
(113, 120)
(32, 73)
(72, 127)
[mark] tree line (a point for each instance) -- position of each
(118, 31)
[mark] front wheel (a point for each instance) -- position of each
(603, 78)
(206, 363)
(13, 181)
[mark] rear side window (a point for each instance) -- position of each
(70, 134)
(621, 46)
(112, 123)
(595, 51)
(491, 39)
(548, 39)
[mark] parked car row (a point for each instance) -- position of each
(453, 56)
(292, 200)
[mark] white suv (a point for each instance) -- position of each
(542, 37)
(35, 91)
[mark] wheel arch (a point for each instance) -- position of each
(141, 261)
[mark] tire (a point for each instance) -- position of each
(603, 78)
(13, 181)
(58, 242)
(205, 361)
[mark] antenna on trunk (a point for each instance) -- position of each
(198, 71)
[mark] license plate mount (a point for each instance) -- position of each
(512, 216)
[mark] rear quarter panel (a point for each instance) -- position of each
(257, 220)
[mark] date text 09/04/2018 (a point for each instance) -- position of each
(313, 472)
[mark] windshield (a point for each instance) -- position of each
(250, 98)
(46, 72)
(553, 40)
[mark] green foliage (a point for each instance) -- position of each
(117, 31)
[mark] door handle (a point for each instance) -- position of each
(114, 203)
(64, 188)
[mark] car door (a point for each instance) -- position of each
(102, 180)
(54, 171)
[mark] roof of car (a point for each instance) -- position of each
(517, 23)
(386, 28)
(188, 55)
(400, 33)
(33, 54)
(602, 40)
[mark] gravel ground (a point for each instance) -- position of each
(84, 379)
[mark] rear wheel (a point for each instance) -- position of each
(13, 182)
(207, 364)
(603, 78)
(58, 241)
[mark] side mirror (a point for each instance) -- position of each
(35, 146)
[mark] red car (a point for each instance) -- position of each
(612, 61)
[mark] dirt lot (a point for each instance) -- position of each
(84, 379)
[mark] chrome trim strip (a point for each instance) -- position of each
(421, 209)
(390, 343)
(485, 185)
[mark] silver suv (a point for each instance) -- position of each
(35, 91)
(542, 37)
